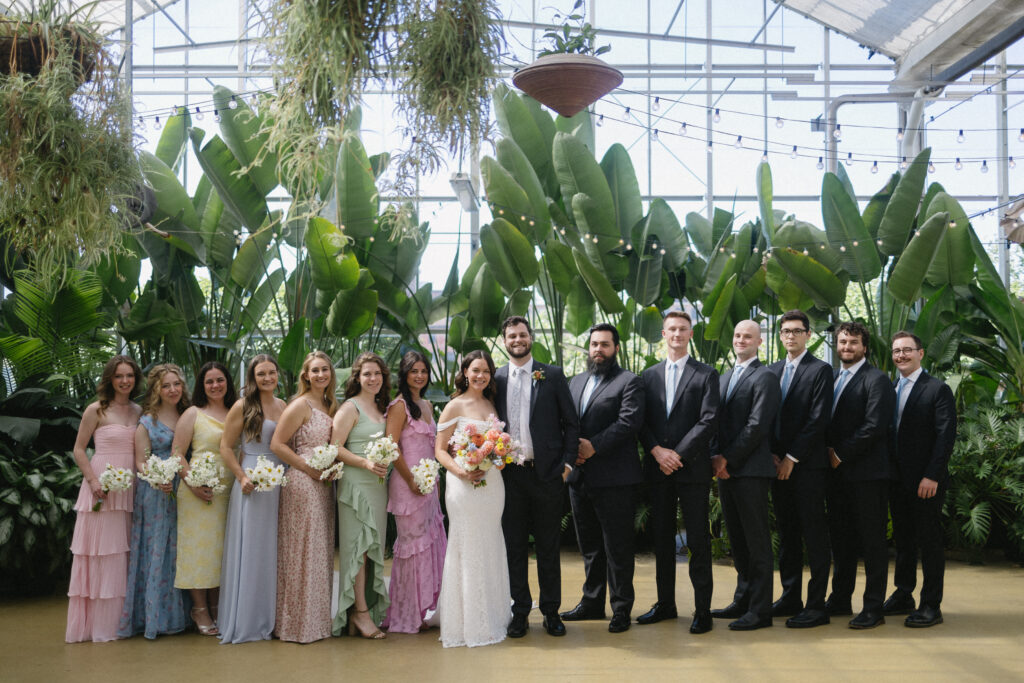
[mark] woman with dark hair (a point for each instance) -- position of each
(362, 500)
(152, 604)
(475, 596)
(202, 513)
(418, 555)
(248, 586)
(305, 529)
(99, 567)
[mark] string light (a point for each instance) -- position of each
(764, 157)
(717, 118)
(874, 167)
(216, 116)
(984, 166)
(1012, 164)
(792, 155)
(739, 142)
(156, 124)
(959, 164)
(821, 163)
(199, 114)
(778, 122)
(1021, 136)
(682, 129)
(837, 133)
(657, 104)
(931, 167)
(710, 146)
(627, 112)
(960, 136)
(849, 158)
(600, 120)
(654, 135)
(899, 134)
(903, 164)
(233, 104)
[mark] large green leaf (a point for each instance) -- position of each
(815, 280)
(909, 273)
(334, 268)
(250, 264)
(354, 201)
(581, 125)
(239, 194)
(485, 302)
(644, 280)
(119, 272)
(512, 158)
(218, 230)
(598, 284)
(506, 197)
(516, 121)
(801, 236)
(173, 206)
(519, 250)
(721, 314)
(578, 172)
(699, 230)
(352, 312)
(847, 232)
(661, 225)
(293, 348)
(648, 324)
(954, 262)
(240, 128)
(559, 265)
(260, 301)
(875, 209)
(170, 148)
(600, 238)
(789, 295)
(621, 177)
(765, 196)
(898, 219)
(579, 308)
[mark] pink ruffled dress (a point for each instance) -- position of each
(418, 557)
(99, 569)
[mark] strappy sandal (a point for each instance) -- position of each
(353, 628)
(210, 630)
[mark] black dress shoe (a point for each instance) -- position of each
(553, 625)
(582, 613)
(838, 608)
(866, 620)
(899, 602)
(619, 623)
(786, 608)
(518, 627)
(733, 611)
(748, 622)
(924, 617)
(702, 622)
(808, 618)
(658, 612)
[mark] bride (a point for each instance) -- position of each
(475, 597)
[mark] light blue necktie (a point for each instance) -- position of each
(787, 377)
(899, 393)
(737, 371)
(588, 392)
(839, 388)
(671, 382)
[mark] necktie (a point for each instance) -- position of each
(839, 388)
(515, 402)
(588, 392)
(899, 394)
(737, 371)
(787, 377)
(671, 382)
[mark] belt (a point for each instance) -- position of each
(530, 464)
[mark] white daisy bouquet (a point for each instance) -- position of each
(266, 476)
(113, 479)
(381, 451)
(323, 458)
(425, 473)
(159, 471)
(205, 470)
(480, 449)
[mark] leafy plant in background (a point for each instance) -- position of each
(575, 36)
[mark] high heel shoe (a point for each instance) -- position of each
(353, 628)
(210, 630)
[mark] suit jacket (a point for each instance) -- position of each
(746, 421)
(611, 421)
(859, 430)
(805, 412)
(689, 428)
(924, 440)
(554, 426)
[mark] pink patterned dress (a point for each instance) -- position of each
(418, 557)
(99, 569)
(305, 544)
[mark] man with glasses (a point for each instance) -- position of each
(925, 423)
(801, 461)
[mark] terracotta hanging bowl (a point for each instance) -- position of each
(568, 84)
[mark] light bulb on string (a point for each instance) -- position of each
(717, 118)
(199, 114)
(233, 104)
(778, 122)
(142, 121)
(710, 146)
(1012, 163)
(1021, 136)
(959, 164)
(984, 166)
(600, 120)
(837, 133)
(960, 136)
(739, 142)
(821, 163)
(627, 112)
(874, 167)
(654, 135)
(903, 164)
(657, 104)
(682, 128)
(931, 167)
(216, 115)
(899, 134)
(156, 124)
(764, 157)
(849, 158)
(792, 155)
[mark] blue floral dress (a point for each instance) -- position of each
(152, 605)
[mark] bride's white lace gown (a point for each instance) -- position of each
(474, 606)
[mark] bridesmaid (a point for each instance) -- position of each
(305, 530)
(418, 556)
(248, 585)
(201, 514)
(99, 567)
(362, 500)
(153, 605)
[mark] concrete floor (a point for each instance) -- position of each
(981, 640)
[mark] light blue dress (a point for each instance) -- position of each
(152, 605)
(248, 583)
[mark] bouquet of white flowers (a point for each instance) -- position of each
(323, 458)
(381, 451)
(158, 472)
(424, 474)
(113, 479)
(205, 470)
(266, 476)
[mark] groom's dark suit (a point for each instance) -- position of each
(602, 488)
(534, 493)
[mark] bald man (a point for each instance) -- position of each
(743, 464)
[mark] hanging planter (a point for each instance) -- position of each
(26, 46)
(567, 83)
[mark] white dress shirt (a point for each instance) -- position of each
(525, 390)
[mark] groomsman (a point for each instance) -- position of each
(681, 405)
(801, 460)
(925, 431)
(863, 404)
(534, 402)
(743, 464)
(610, 402)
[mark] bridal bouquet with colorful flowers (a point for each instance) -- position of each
(159, 471)
(113, 479)
(266, 476)
(480, 449)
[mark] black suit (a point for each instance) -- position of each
(688, 431)
(746, 420)
(534, 493)
(602, 488)
(858, 488)
(924, 442)
(800, 500)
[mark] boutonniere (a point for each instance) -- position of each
(538, 375)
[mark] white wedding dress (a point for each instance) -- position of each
(474, 606)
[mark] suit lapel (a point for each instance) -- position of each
(684, 379)
(851, 384)
(915, 393)
(601, 386)
(501, 381)
(739, 383)
(577, 387)
(534, 387)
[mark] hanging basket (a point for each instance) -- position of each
(568, 84)
(26, 54)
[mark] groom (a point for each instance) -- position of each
(535, 404)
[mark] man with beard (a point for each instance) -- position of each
(607, 469)
(534, 402)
